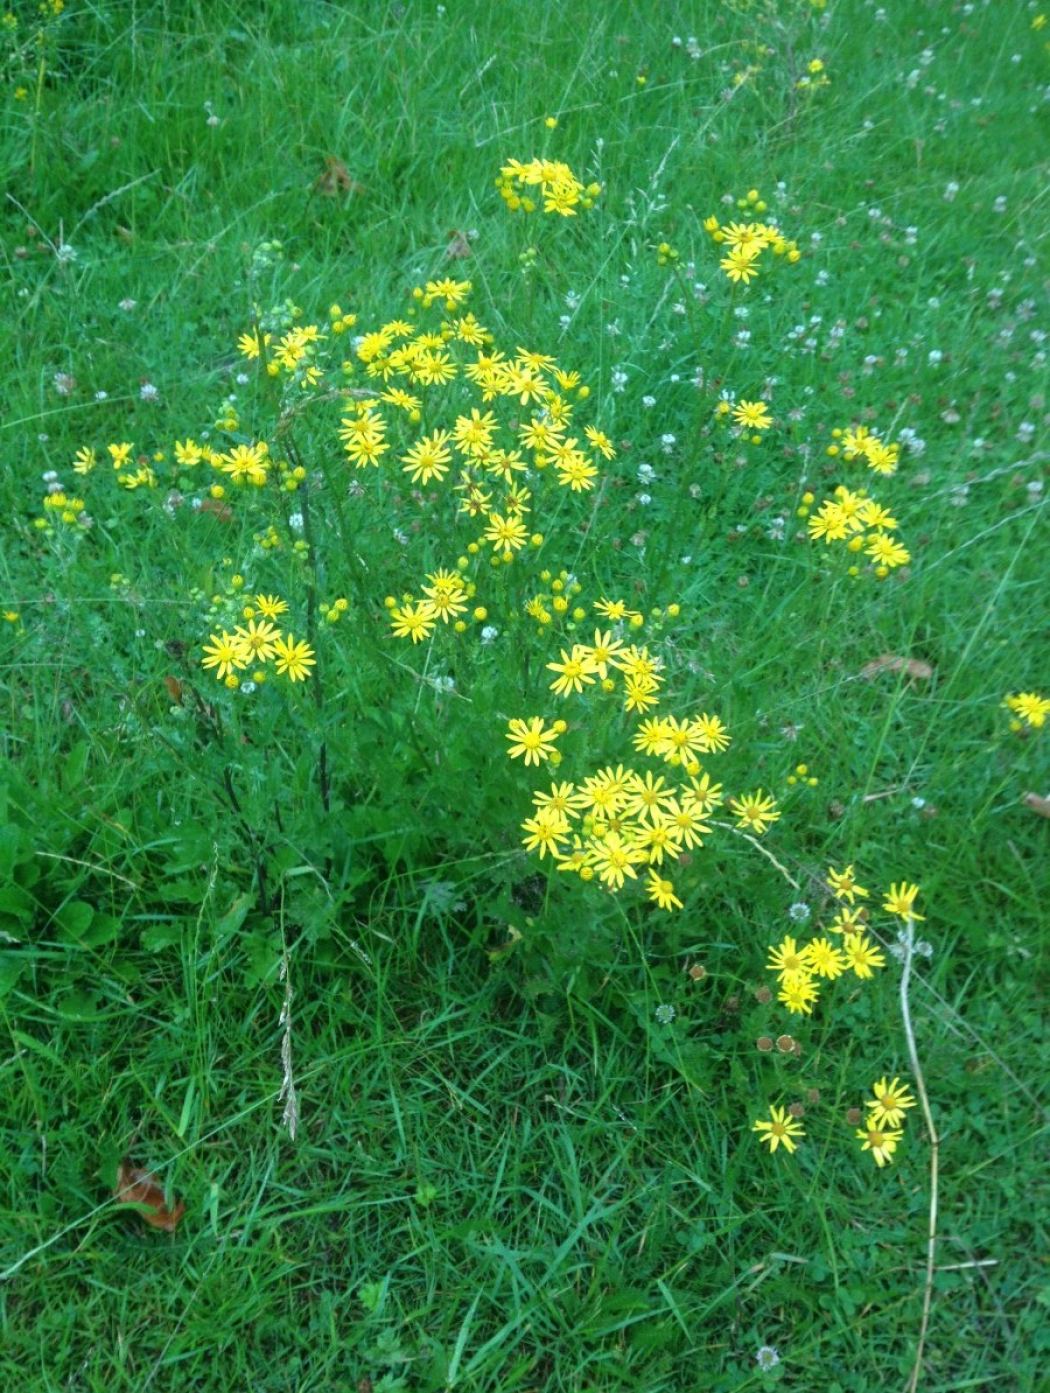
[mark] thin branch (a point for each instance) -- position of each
(728, 827)
(920, 1084)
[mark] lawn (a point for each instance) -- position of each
(365, 360)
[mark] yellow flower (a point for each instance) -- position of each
(752, 415)
(1032, 708)
(789, 961)
(415, 621)
(876, 1139)
(844, 885)
(889, 1102)
(753, 812)
(544, 832)
(293, 659)
(662, 892)
(901, 901)
(862, 954)
(531, 739)
(225, 652)
(779, 1130)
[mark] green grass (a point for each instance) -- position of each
(508, 1174)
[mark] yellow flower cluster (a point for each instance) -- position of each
(800, 969)
(258, 641)
(484, 458)
(863, 525)
(616, 821)
(444, 599)
(885, 1114)
(620, 820)
(294, 352)
(62, 506)
(1029, 708)
(857, 442)
(746, 241)
(555, 184)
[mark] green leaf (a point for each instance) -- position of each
(73, 920)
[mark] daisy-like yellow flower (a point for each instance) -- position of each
(825, 959)
(709, 734)
(752, 415)
(788, 961)
(687, 819)
(662, 892)
(901, 901)
(259, 639)
(532, 739)
(640, 693)
(446, 594)
(702, 793)
(562, 799)
(251, 345)
(414, 620)
(828, 523)
(889, 1102)
(753, 812)
(120, 454)
(739, 263)
(225, 652)
(885, 550)
(844, 885)
(651, 736)
(600, 441)
(545, 832)
(602, 652)
(270, 606)
(293, 659)
(877, 1139)
(862, 954)
(799, 994)
(613, 609)
(1032, 708)
(84, 460)
(780, 1129)
(613, 858)
(509, 533)
(573, 672)
(429, 458)
(848, 921)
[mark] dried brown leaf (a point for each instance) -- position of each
(890, 662)
(336, 178)
(459, 247)
(174, 687)
(1037, 803)
(217, 508)
(139, 1187)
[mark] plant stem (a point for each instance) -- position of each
(920, 1084)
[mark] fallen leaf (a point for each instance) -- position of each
(1037, 804)
(139, 1187)
(217, 508)
(336, 178)
(174, 687)
(459, 247)
(889, 662)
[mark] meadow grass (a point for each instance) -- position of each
(509, 1170)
